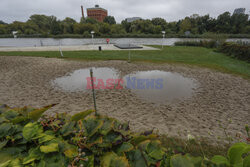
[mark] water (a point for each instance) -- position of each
(30, 42)
(77, 81)
(160, 86)
(153, 86)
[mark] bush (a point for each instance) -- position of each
(88, 140)
(201, 43)
(239, 51)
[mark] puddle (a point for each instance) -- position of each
(160, 86)
(77, 81)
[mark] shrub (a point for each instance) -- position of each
(88, 140)
(239, 51)
(201, 43)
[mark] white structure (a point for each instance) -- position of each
(14, 34)
(92, 34)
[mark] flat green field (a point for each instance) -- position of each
(197, 56)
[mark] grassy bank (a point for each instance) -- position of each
(197, 56)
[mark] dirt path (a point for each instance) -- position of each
(219, 98)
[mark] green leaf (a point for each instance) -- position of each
(136, 159)
(36, 114)
(235, 153)
(112, 160)
(5, 164)
(125, 147)
(157, 154)
(34, 154)
(19, 119)
(10, 114)
(71, 152)
(3, 143)
(81, 115)
(246, 161)
(67, 129)
(53, 147)
(91, 126)
(107, 126)
(220, 160)
(15, 163)
(45, 138)
(180, 161)
(4, 129)
(31, 130)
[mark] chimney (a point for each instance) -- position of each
(82, 12)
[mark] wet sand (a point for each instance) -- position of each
(218, 98)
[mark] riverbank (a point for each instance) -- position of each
(69, 48)
(195, 56)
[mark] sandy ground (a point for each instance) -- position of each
(219, 98)
(69, 48)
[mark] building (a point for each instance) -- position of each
(132, 19)
(240, 11)
(97, 13)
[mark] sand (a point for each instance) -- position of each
(219, 97)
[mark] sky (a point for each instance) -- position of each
(171, 10)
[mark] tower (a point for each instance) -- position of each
(82, 11)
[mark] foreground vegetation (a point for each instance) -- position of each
(194, 26)
(198, 56)
(29, 138)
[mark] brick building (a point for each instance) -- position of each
(97, 13)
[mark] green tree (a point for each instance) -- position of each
(88, 20)
(109, 20)
(185, 25)
(55, 27)
(223, 23)
(159, 22)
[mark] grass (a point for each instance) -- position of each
(197, 56)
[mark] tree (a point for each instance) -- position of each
(2, 22)
(223, 23)
(159, 22)
(88, 20)
(109, 20)
(55, 27)
(68, 25)
(186, 25)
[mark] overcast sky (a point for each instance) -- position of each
(171, 10)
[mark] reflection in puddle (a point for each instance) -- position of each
(159, 86)
(77, 81)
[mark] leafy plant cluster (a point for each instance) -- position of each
(239, 51)
(29, 138)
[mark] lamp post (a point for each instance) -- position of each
(163, 37)
(92, 34)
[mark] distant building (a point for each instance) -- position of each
(129, 20)
(97, 13)
(240, 11)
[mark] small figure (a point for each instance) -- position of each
(107, 40)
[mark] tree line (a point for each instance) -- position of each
(195, 24)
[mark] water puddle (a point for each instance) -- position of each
(153, 86)
(160, 86)
(78, 80)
